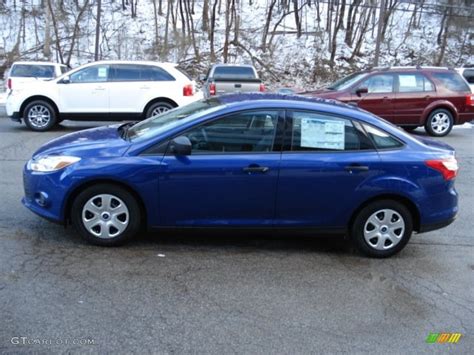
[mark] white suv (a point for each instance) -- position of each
(106, 90)
(25, 73)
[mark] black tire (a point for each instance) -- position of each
(121, 195)
(437, 119)
(48, 117)
(162, 106)
(409, 128)
(362, 223)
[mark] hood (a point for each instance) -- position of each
(323, 93)
(101, 141)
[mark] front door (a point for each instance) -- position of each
(324, 162)
(86, 92)
(230, 178)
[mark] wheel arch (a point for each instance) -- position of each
(412, 207)
(81, 187)
(35, 98)
(155, 100)
(445, 105)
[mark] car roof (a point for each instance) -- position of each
(147, 62)
(233, 65)
(409, 69)
(36, 63)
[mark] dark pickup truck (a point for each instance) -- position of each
(228, 78)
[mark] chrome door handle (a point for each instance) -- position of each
(356, 167)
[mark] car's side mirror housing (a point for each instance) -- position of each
(65, 80)
(362, 90)
(180, 146)
(202, 77)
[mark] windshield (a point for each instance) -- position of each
(170, 119)
(346, 82)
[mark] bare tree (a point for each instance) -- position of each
(97, 30)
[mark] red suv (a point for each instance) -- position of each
(433, 97)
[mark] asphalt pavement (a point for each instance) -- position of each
(221, 293)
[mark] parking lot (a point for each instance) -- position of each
(236, 293)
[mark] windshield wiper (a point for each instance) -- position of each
(123, 129)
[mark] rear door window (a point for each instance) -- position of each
(318, 132)
(125, 72)
(451, 81)
(32, 71)
(379, 83)
(414, 83)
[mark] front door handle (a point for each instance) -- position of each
(100, 88)
(256, 169)
(356, 167)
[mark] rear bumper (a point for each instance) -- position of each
(438, 225)
(465, 117)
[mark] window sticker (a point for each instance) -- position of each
(321, 133)
(407, 81)
(102, 72)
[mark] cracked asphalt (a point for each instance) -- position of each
(226, 293)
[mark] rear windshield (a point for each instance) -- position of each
(182, 71)
(32, 71)
(452, 81)
(237, 72)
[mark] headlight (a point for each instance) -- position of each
(51, 163)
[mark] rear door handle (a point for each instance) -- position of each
(356, 167)
(99, 88)
(256, 169)
(237, 85)
(144, 87)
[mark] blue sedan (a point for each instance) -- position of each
(252, 161)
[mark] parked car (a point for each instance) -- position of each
(25, 73)
(230, 78)
(433, 97)
(468, 74)
(248, 160)
(106, 90)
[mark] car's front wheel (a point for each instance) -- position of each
(39, 116)
(158, 108)
(382, 228)
(439, 123)
(106, 215)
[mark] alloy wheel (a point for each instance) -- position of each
(440, 122)
(39, 116)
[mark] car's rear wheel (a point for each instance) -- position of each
(39, 116)
(158, 108)
(439, 123)
(106, 215)
(382, 228)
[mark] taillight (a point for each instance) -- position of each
(212, 89)
(188, 90)
(448, 167)
(262, 87)
(470, 100)
(9, 83)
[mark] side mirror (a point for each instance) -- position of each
(362, 90)
(65, 80)
(180, 146)
(202, 77)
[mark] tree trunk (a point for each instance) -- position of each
(97, 30)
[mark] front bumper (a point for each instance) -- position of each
(43, 194)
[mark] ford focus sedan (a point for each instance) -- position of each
(250, 161)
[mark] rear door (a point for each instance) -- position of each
(325, 161)
(414, 93)
(230, 179)
(127, 89)
(380, 96)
